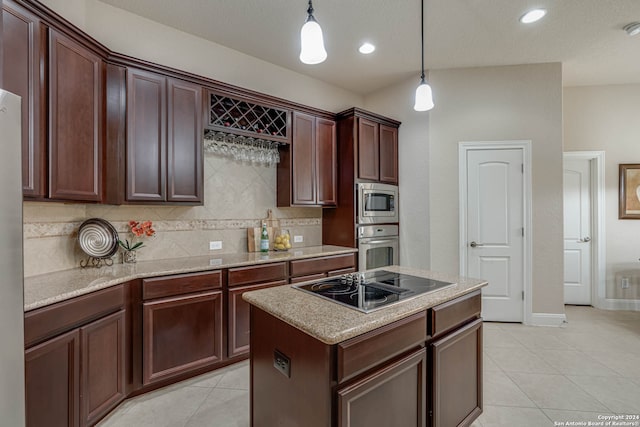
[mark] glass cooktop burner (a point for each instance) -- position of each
(372, 290)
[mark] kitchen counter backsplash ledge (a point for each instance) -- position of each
(46, 289)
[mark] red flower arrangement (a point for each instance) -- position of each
(138, 229)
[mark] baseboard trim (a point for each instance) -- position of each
(548, 319)
(618, 304)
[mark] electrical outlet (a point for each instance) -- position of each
(282, 363)
(298, 239)
(215, 261)
(624, 283)
(215, 245)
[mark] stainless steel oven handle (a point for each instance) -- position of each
(377, 242)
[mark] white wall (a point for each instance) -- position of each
(397, 102)
(142, 38)
(495, 104)
(607, 118)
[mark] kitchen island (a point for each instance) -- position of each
(417, 362)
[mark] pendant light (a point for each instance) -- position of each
(424, 97)
(312, 44)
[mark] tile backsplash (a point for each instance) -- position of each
(237, 196)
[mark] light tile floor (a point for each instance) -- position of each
(533, 376)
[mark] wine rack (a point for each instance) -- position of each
(246, 118)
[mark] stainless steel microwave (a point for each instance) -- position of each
(377, 203)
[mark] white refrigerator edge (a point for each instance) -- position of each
(12, 395)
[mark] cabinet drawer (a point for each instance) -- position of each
(341, 271)
(301, 279)
(306, 267)
(450, 314)
(256, 274)
(373, 348)
(159, 287)
(52, 320)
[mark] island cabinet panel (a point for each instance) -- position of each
(298, 396)
(103, 366)
(447, 316)
(52, 379)
(393, 395)
(76, 86)
(363, 352)
(24, 44)
(238, 318)
(456, 363)
(181, 334)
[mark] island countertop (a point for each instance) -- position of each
(332, 323)
(46, 289)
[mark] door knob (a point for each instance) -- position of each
(584, 240)
(475, 245)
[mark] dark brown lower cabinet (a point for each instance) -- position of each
(422, 370)
(239, 327)
(393, 395)
(457, 376)
(52, 376)
(103, 370)
(181, 334)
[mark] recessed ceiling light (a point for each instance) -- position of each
(366, 48)
(533, 16)
(632, 29)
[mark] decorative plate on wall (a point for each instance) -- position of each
(98, 238)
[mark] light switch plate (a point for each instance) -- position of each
(298, 239)
(215, 245)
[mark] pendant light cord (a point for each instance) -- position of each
(421, 36)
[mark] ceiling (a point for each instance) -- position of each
(585, 35)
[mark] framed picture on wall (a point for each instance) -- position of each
(629, 207)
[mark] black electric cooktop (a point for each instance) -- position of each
(372, 290)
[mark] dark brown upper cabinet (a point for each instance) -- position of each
(368, 149)
(307, 168)
(76, 85)
(389, 154)
(375, 145)
(61, 82)
(23, 73)
(164, 139)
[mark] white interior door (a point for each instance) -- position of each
(577, 231)
(495, 230)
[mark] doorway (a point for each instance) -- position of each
(495, 194)
(583, 195)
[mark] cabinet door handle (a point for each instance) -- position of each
(584, 240)
(475, 245)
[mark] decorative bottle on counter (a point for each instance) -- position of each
(264, 238)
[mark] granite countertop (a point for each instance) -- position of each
(332, 323)
(47, 289)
